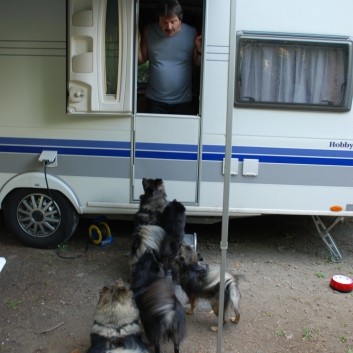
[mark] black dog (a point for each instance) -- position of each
(173, 222)
(165, 239)
(147, 234)
(152, 203)
(161, 313)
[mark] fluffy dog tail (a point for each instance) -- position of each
(232, 300)
(147, 237)
(231, 292)
(214, 276)
(162, 314)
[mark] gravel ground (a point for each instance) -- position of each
(47, 297)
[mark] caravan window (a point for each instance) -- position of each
(100, 56)
(294, 72)
(112, 48)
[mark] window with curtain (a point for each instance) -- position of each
(284, 71)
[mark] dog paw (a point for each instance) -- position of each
(214, 328)
(235, 319)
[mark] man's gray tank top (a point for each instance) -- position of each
(170, 64)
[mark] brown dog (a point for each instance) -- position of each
(116, 327)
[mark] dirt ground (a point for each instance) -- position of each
(47, 297)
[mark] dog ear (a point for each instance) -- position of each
(158, 181)
(144, 183)
(119, 282)
(105, 289)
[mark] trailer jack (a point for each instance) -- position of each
(326, 237)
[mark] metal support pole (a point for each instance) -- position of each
(227, 167)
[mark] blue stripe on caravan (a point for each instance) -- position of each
(278, 151)
(293, 152)
(284, 159)
(281, 155)
(63, 143)
(166, 155)
(300, 160)
(213, 148)
(177, 151)
(66, 147)
(166, 151)
(166, 147)
(67, 151)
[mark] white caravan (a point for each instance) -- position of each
(75, 140)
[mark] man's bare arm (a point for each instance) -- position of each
(142, 55)
(197, 50)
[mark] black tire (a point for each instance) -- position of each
(40, 219)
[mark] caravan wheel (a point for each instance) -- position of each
(39, 218)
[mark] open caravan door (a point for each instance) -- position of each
(166, 146)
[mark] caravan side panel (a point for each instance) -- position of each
(94, 152)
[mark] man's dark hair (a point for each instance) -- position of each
(169, 8)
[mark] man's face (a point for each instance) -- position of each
(170, 25)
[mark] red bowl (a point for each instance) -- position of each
(341, 283)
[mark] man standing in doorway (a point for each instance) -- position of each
(171, 47)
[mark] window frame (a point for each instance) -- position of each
(287, 38)
(86, 50)
(108, 96)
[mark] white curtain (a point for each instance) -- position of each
(292, 73)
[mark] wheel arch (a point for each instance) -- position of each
(36, 180)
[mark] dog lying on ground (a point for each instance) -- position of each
(162, 315)
(116, 327)
(200, 280)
